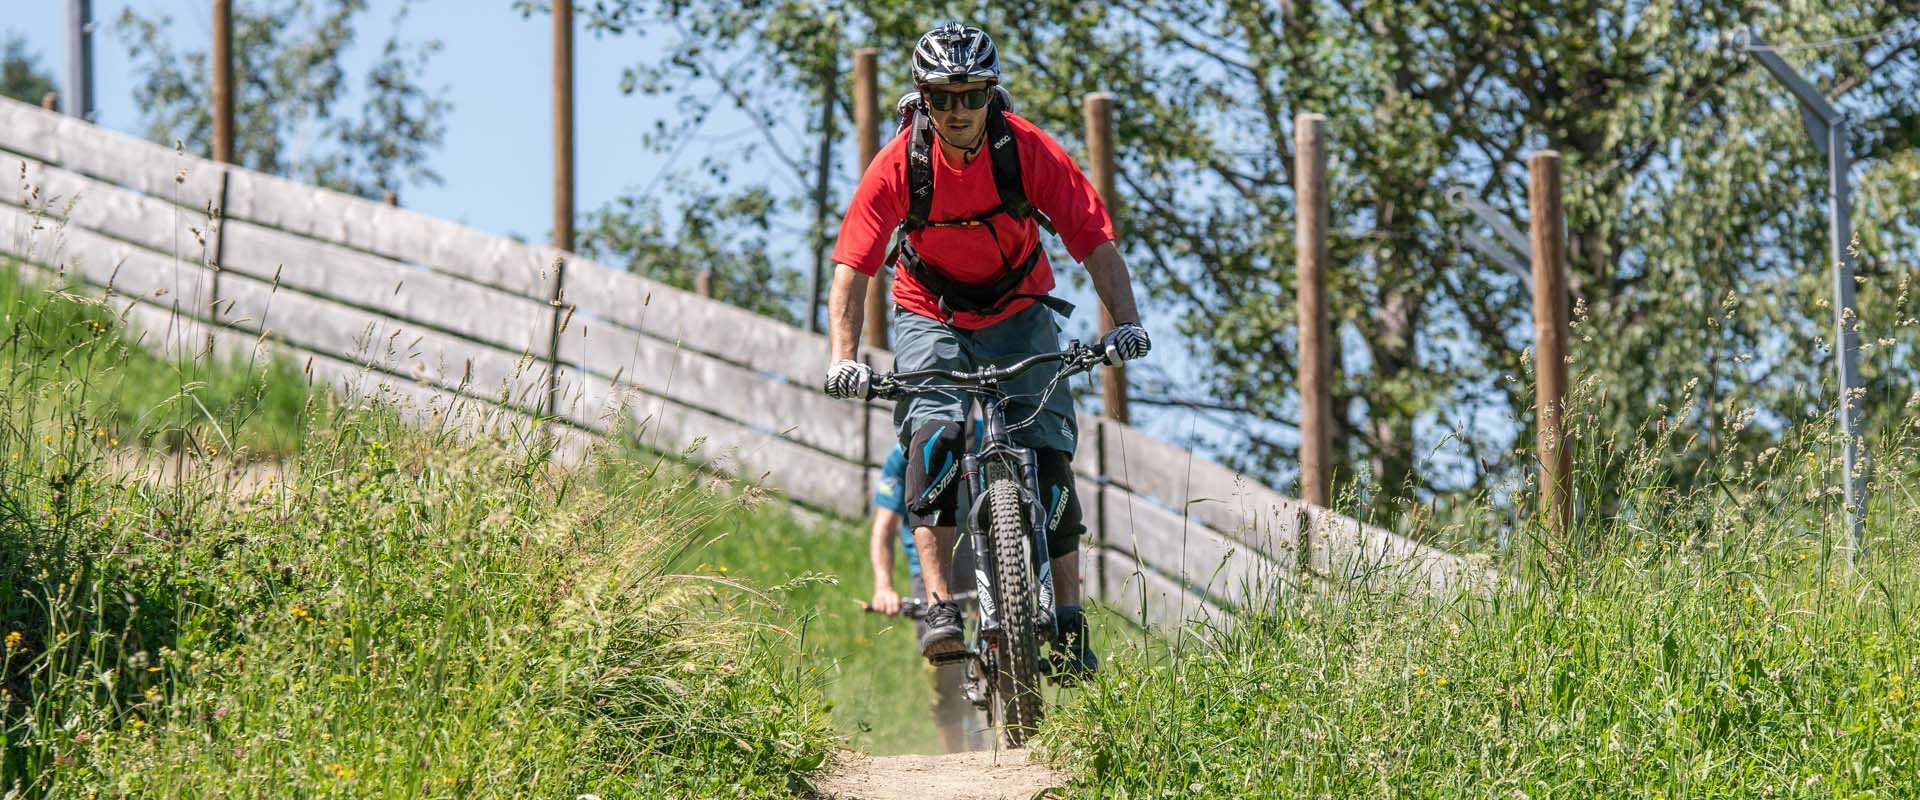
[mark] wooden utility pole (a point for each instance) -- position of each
(391, 198)
(223, 81)
(1550, 337)
(563, 125)
(50, 101)
(80, 59)
(824, 166)
(1098, 108)
(866, 121)
(703, 283)
(1311, 211)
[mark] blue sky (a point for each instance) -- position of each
(496, 67)
(497, 156)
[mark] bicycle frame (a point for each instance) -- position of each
(997, 443)
(984, 395)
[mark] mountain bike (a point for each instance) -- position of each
(1004, 523)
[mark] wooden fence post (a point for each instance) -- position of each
(1550, 337)
(1098, 109)
(703, 283)
(563, 125)
(1312, 208)
(50, 101)
(866, 121)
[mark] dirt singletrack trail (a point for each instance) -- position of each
(982, 775)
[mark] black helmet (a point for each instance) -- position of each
(955, 54)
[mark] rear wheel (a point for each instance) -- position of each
(1016, 676)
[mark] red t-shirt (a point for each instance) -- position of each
(1055, 185)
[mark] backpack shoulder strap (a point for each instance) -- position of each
(919, 171)
(1005, 152)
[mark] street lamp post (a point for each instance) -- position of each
(1827, 127)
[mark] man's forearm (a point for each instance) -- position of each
(1110, 282)
(880, 548)
(846, 311)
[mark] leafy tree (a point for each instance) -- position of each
(725, 236)
(291, 86)
(21, 77)
(1695, 205)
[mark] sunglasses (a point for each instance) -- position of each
(944, 101)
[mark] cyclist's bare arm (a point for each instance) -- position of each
(847, 311)
(1110, 282)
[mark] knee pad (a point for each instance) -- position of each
(933, 473)
(1062, 502)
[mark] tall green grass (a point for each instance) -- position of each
(70, 339)
(404, 612)
(1707, 643)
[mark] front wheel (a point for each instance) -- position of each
(1016, 677)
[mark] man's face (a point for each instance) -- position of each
(959, 124)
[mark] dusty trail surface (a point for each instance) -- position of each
(1006, 775)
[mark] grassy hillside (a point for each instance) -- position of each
(1691, 645)
(396, 613)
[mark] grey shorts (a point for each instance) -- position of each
(924, 343)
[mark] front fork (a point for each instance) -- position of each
(978, 529)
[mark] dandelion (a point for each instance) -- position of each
(139, 723)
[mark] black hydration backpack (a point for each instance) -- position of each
(984, 299)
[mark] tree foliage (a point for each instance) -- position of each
(1695, 204)
(294, 111)
(726, 236)
(21, 76)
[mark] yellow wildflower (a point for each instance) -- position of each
(13, 640)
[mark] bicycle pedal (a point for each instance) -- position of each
(941, 659)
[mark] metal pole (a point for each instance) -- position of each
(563, 125)
(1550, 338)
(223, 81)
(829, 76)
(1098, 110)
(1846, 333)
(1827, 127)
(80, 59)
(1312, 207)
(866, 122)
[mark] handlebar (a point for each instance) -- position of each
(1078, 358)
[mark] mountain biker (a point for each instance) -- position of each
(971, 283)
(953, 715)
